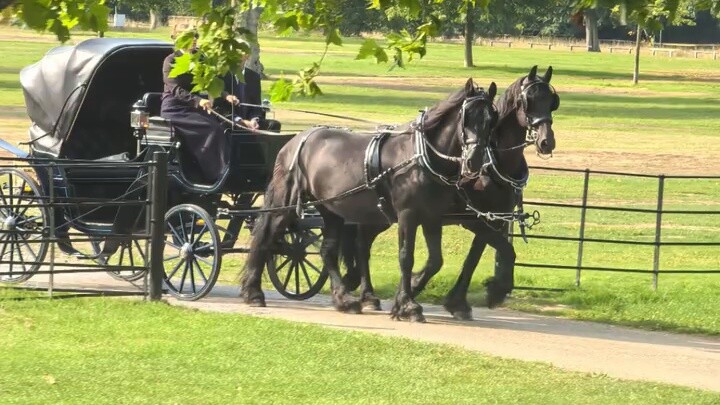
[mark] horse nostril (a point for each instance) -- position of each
(544, 144)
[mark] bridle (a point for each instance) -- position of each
(467, 149)
(533, 122)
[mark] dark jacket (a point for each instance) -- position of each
(248, 93)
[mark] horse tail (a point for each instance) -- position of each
(278, 195)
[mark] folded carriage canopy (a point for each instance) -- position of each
(79, 97)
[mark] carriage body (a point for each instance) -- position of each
(83, 145)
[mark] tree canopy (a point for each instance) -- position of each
(222, 41)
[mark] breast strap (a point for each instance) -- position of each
(373, 179)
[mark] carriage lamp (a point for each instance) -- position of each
(139, 117)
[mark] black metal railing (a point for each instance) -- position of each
(40, 212)
(584, 207)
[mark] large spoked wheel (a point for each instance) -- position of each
(295, 269)
(131, 253)
(23, 226)
(192, 254)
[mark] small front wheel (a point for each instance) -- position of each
(296, 269)
(192, 254)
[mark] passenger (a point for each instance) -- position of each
(202, 135)
(249, 95)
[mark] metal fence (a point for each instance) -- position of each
(585, 206)
(43, 208)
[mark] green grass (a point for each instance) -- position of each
(121, 351)
(668, 123)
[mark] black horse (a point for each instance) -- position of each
(525, 118)
(327, 166)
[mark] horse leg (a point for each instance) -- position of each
(329, 251)
(351, 279)
(365, 238)
(266, 232)
(502, 283)
(433, 239)
(405, 306)
(456, 299)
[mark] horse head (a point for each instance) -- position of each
(478, 117)
(535, 104)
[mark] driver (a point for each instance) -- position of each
(203, 137)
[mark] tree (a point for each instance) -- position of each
(223, 42)
(590, 19)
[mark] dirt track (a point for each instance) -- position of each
(580, 346)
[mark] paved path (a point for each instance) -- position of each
(580, 346)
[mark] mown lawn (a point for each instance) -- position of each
(123, 351)
(667, 124)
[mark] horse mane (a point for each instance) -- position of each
(438, 112)
(507, 103)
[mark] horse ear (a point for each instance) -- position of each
(533, 73)
(548, 75)
(469, 86)
(492, 90)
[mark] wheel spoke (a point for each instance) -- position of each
(200, 235)
(22, 259)
(174, 232)
(305, 273)
(192, 229)
(171, 257)
(309, 263)
(32, 252)
(192, 276)
(172, 273)
(289, 274)
(278, 268)
(122, 255)
(140, 251)
(2, 196)
(204, 260)
(172, 245)
(202, 274)
(297, 278)
(12, 253)
(12, 189)
(184, 275)
(26, 220)
(182, 227)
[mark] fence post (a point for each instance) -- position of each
(581, 239)
(658, 229)
(158, 193)
(51, 203)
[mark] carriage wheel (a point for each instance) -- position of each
(296, 267)
(192, 254)
(22, 226)
(131, 253)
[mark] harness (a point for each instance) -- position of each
(373, 167)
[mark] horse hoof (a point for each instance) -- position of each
(256, 302)
(462, 315)
(372, 304)
(419, 318)
(350, 307)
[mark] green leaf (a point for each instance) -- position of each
(201, 7)
(216, 87)
(35, 14)
(181, 65)
(281, 90)
(380, 56)
(368, 49)
(333, 37)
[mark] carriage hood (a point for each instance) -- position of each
(56, 87)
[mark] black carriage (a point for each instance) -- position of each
(98, 102)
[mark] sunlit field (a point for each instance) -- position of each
(667, 124)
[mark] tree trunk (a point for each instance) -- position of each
(154, 19)
(250, 20)
(469, 35)
(636, 70)
(591, 31)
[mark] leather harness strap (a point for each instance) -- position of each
(373, 178)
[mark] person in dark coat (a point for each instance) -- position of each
(249, 94)
(202, 135)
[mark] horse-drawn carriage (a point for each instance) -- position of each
(95, 119)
